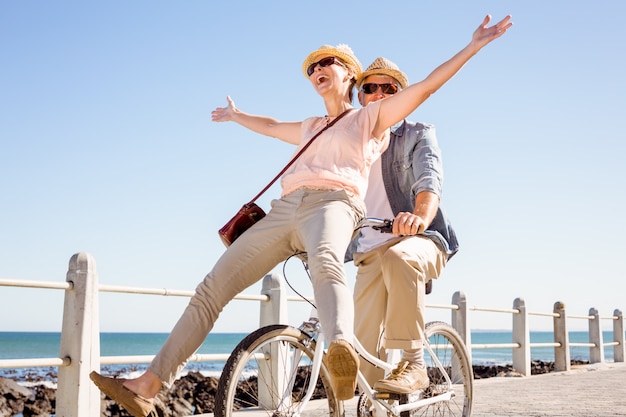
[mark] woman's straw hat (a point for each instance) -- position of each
(341, 51)
(383, 66)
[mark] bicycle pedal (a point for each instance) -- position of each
(389, 396)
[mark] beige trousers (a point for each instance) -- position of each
(389, 296)
(320, 223)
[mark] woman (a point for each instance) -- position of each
(320, 205)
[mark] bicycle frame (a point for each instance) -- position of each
(381, 407)
(281, 350)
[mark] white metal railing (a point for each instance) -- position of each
(80, 342)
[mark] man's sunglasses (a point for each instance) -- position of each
(371, 88)
(324, 62)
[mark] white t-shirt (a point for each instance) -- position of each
(378, 206)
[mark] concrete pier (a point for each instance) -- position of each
(597, 390)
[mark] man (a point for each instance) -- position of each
(405, 184)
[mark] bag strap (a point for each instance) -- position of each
(298, 155)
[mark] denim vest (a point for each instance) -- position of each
(410, 165)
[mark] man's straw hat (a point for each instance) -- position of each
(383, 66)
(341, 51)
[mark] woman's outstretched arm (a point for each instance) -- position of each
(285, 131)
(399, 106)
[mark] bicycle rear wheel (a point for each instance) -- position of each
(268, 374)
(449, 349)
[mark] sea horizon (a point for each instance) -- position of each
(26, 345)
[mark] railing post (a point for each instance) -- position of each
(77, 396)
(561, 336)
(460, 320)
(521, 336)
(596, 352)
(618, 336)
(273, 311)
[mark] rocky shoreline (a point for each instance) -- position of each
(191, 394)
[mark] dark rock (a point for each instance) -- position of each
(12, 397)
(541, 367)
(42, 404)
(483, 371)
(204, 395)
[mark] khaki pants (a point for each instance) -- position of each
(320, 223)
(389, 296)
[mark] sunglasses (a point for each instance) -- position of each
(324, 62)
(371, 88)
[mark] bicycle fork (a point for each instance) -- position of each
(313, 330)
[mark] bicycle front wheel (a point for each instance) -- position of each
(448, 348)
(268, 374)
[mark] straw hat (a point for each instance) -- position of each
(341, 51)
(383, 66)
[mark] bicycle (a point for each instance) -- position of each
(278, 369)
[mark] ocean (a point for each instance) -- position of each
(18, 345)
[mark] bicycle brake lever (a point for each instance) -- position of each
(386, 227)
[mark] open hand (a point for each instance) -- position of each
(483, 35)
(224, 114)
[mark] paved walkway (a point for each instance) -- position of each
(585, 391)
(597, 390)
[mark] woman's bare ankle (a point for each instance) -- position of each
(147, 385)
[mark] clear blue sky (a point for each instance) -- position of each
(107, 147)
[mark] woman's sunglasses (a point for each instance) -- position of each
(371, 88)
(324, 62)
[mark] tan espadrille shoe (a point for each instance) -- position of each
(135, 404)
